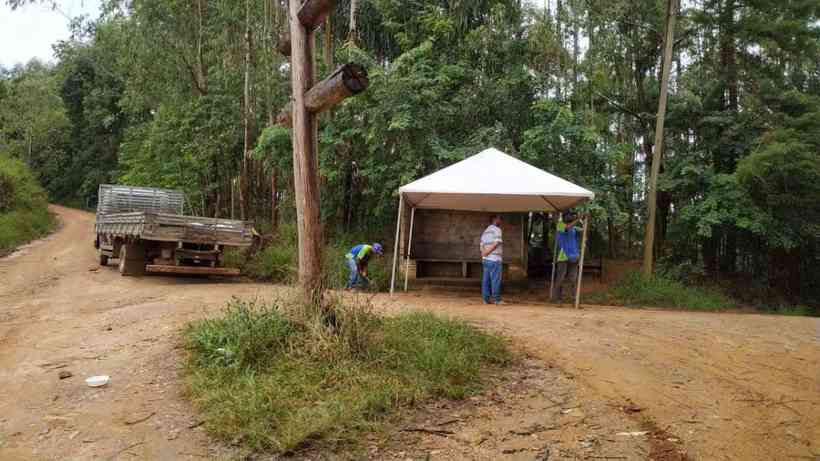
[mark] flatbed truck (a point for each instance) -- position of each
(145, 229)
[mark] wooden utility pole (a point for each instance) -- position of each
(307, 102)
(652, 190)
(305, 174)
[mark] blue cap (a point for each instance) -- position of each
(377, 247)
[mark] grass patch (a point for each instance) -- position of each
(797, 310)
(24, 212)
(265, 376)
(636, 290)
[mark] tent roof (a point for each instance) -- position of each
(494, 181)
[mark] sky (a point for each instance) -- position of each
(29, 31)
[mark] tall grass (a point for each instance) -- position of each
(634, 289)
(277, 262)
(275, 379)
(24, 212)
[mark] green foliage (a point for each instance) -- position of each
(782, 178)
(634, 289)
(153, 93)
(272, 381)
(277, 262)
(182, 147)
(24, 212)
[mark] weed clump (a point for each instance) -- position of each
(634, 289)
(279, 377)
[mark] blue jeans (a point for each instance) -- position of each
(355, 277)
(491, 281)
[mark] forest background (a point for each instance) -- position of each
(183, 93)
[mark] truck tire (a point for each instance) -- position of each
(103, 259)
(132, 259)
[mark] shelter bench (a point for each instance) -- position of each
(470, 268)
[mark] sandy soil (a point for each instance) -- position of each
(712, 386)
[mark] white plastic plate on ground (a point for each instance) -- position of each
(97, 381)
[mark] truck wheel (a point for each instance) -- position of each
(122, 260)
(103, 259)
(132, 259)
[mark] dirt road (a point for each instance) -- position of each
(58, 315)
(727, 386)
(730, 386)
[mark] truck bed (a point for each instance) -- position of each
(165, 227)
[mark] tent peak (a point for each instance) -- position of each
(492, 180)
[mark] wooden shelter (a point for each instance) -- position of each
(441, 216)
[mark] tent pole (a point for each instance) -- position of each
(581, 263)
(554, 257)
(409, 245)
(396, 245)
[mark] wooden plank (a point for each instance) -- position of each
(193, 270)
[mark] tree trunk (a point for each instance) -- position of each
(649, 238)
(305, 165)
(327, 49)
(244, 188)
(559, 35)
(353, 31)
(274, 212)
(576, 49)
(201, 68)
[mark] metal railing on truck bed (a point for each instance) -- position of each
(166, 227)
(124, 199)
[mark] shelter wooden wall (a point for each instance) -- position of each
(443, 239)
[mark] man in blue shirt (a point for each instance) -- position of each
(357, 259)
(566, 269)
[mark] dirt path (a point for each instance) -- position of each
(728, 386)
(58, 315)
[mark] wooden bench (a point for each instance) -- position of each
(468, 267)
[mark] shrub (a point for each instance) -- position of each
(636, 290)
(278, 261)
(24, 212)
(272, 378)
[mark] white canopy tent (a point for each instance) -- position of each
(490, 181)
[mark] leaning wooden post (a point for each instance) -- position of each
(396, 246)
(581, 263)
(305, 174)
(409, 246)
(346, 81)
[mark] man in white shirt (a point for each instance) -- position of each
(492, 247)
